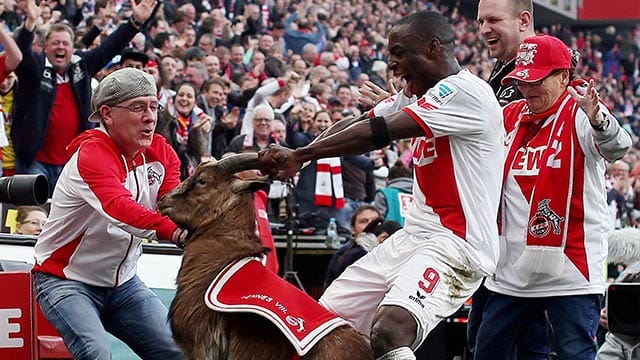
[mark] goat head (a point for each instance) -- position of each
(217, 209)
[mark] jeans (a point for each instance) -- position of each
(532, 340)
(574, 320)
(52, 172)
(83, 315)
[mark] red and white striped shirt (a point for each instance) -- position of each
(458, 167)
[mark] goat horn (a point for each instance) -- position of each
(239, 162)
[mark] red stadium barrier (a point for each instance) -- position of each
(24, 331)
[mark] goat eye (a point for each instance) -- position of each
(201, 182)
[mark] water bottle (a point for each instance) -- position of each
(332, 240)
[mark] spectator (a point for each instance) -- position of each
(319, 191)
(165, 43)
(620, 197)
(214, 97)
(310, 54)
(213, 102)
(207, 43)
(279, 130)
(7, 92)
(352, 250)
(358, 184)
(378, 73)
(30, 220)
(393, 201)
(187, 37)
(235, 64)
(265, 44)
(8, 62)
(133, 58)
(212, 63)
(261, 118)
(296, 36)
(186, 128)
(157, 26)
(196, 74)
(168, 70)
(273, 93)
(558, 264)
(504, 24)
(194, 54)
(93, 211)
(52, 96)
(376, 232)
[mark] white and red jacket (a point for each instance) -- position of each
(583, 271)
(102, 207)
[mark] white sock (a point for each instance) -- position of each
(403, 353)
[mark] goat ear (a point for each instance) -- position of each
(252, 185)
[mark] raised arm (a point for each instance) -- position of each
(14, 55)
(33, 12)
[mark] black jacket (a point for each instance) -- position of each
(36, 90)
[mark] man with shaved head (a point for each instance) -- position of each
(504, 24)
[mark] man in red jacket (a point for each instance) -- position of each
(103, 206)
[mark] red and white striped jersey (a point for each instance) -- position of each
(458, 167)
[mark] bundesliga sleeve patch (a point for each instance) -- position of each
(442, 93)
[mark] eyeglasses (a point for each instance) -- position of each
(34, 222)
(520, 83)
(262, 119)
(140, 108)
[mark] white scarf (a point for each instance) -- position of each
(328, 178)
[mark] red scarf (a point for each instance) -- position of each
(263, 230)
(550, 202)
(329, 183)
(184, 124)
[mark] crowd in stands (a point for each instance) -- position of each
(239, 75)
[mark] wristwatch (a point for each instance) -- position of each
(603, 122)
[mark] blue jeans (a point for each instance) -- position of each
(574, 320)
(83, 315)
(532, 340)
(52, 172)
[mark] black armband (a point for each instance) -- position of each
(138, 25)
(379, 131)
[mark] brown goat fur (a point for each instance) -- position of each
(217, 209)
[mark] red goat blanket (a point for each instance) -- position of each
(247, 286)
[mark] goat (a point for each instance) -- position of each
(216, 207)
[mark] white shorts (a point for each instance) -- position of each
(430, 278)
